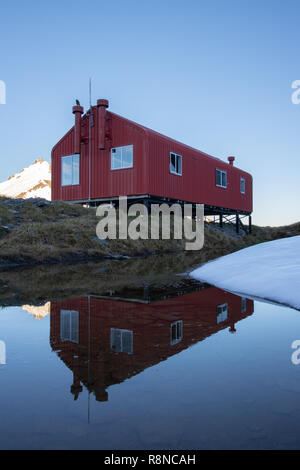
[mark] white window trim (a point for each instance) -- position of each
(61, 176)
(177, 340)
(120, 167)
(174, 172)
(242, 179)
(220, 185)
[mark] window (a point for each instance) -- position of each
(70, 170)
(121, 340)
(243, 185)
(121, 157)
(221, 178)
(244, 305)
(176, 332)
(175, 164)
(69, 325)
(222, 313)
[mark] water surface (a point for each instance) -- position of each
(170, 364)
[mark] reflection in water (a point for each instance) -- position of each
(227, 391)
(38, 312)
(106, 340)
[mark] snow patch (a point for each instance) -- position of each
(268, 271)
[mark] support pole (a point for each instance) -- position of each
(221, 220)
(250, 224)
(146, 204)
(237, 223)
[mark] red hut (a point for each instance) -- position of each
(104, 156)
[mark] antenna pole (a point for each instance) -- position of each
(89, 355)
(90, 92)
(90, 135)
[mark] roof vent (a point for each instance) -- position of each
(78, 111)
(102, 105)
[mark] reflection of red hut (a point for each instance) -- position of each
(118, 339)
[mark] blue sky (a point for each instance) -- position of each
(216, 75)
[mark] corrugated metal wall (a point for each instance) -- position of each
(198, 180)
(104, 181)
(129, 181)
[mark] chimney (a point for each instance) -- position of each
(78, 111)
(102, 105)
(231, 160)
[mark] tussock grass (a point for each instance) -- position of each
(58, 231)
(63, 231)
(6, 213)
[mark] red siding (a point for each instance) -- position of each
(150, 324)
(198, 180)
(150, 173)
(130, 181)
(104, 181)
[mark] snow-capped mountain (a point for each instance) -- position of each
(33, 181)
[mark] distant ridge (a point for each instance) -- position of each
(33, 181)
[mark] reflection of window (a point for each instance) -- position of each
(121, 340)
(175, 163)
(243, 186)
(122, 157)
(222, 313)
(176, 332)
(70, 170)
(221, 178)
(69, 325)
(244, 305)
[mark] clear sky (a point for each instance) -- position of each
(213, 74)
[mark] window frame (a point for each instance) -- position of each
(121, 148)
(122, 332)
(73, 318)
(222, 172)
(63, 157)
(179, 336)
(224, 308)
(244, 182)
(177, 155)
